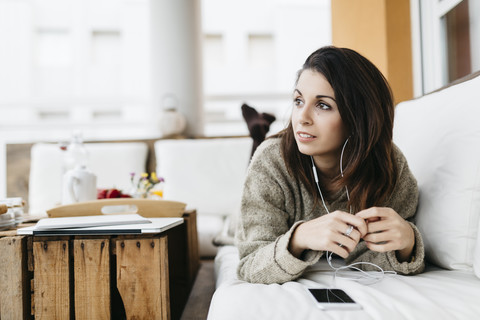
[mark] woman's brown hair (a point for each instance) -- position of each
(365, 103)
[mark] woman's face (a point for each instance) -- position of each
(317, 125)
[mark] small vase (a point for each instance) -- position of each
(137, 194)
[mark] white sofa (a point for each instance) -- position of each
(206, 174)
(112, 163)
(440, 137)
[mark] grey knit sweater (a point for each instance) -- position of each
(274, 203)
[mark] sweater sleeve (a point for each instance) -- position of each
(404, 201)
(265, 226)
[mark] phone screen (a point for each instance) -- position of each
(331, 296)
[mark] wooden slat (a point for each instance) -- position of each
(164, 277)
(142, 277)
(92, 278)
(30, 268)
(32, 298)
(51, 279)
(13, 280)
(192, 243)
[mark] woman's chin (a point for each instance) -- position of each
(306, 151)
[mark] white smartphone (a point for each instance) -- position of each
(329, 299)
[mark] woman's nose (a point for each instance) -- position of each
(305, 116)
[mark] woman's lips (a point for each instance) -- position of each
(305, 137)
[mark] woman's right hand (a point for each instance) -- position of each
(328, 233)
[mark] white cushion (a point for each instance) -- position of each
(206, 174)
(439, 135)
(112, 163)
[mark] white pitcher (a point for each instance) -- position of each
(79, 185)
(171, 122)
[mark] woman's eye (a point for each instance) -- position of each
(323, 106)
(297, 102)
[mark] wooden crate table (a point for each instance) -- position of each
(146, 276)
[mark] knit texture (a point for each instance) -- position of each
(274, 203)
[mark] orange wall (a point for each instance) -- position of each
(379, 30)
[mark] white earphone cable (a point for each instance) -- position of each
(364, 276)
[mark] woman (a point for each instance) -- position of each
(332, 181)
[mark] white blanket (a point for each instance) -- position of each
(434, 294)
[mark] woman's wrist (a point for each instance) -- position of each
(294, 246)
(405, 254)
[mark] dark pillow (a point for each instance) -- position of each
(258, 124)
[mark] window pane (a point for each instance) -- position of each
(53, 62)
(213, 50)
(53, 48)
(474, 17)
(106, 48)
(261, 50)
(457, 28)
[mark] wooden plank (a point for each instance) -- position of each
(193, 261)
(92, 278)
(179, 271)
(142, 277)
(14, 285)
(51, 279)
(30, 268)
(164, 277)
(32, 298)
(183, 262)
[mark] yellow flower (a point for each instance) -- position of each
(158, 193)
(145, 183)
(154, 178)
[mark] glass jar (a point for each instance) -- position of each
(17, 205)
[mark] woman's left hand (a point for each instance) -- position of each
(388, 231)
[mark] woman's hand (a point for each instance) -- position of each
(388, 231)
(328, 233)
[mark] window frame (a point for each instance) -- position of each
(430, 44)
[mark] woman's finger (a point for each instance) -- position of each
(341, 251)
(374, 212)
(355, 235)
(348, 243)
(377, 237)
(378, 226)
(352, 220)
